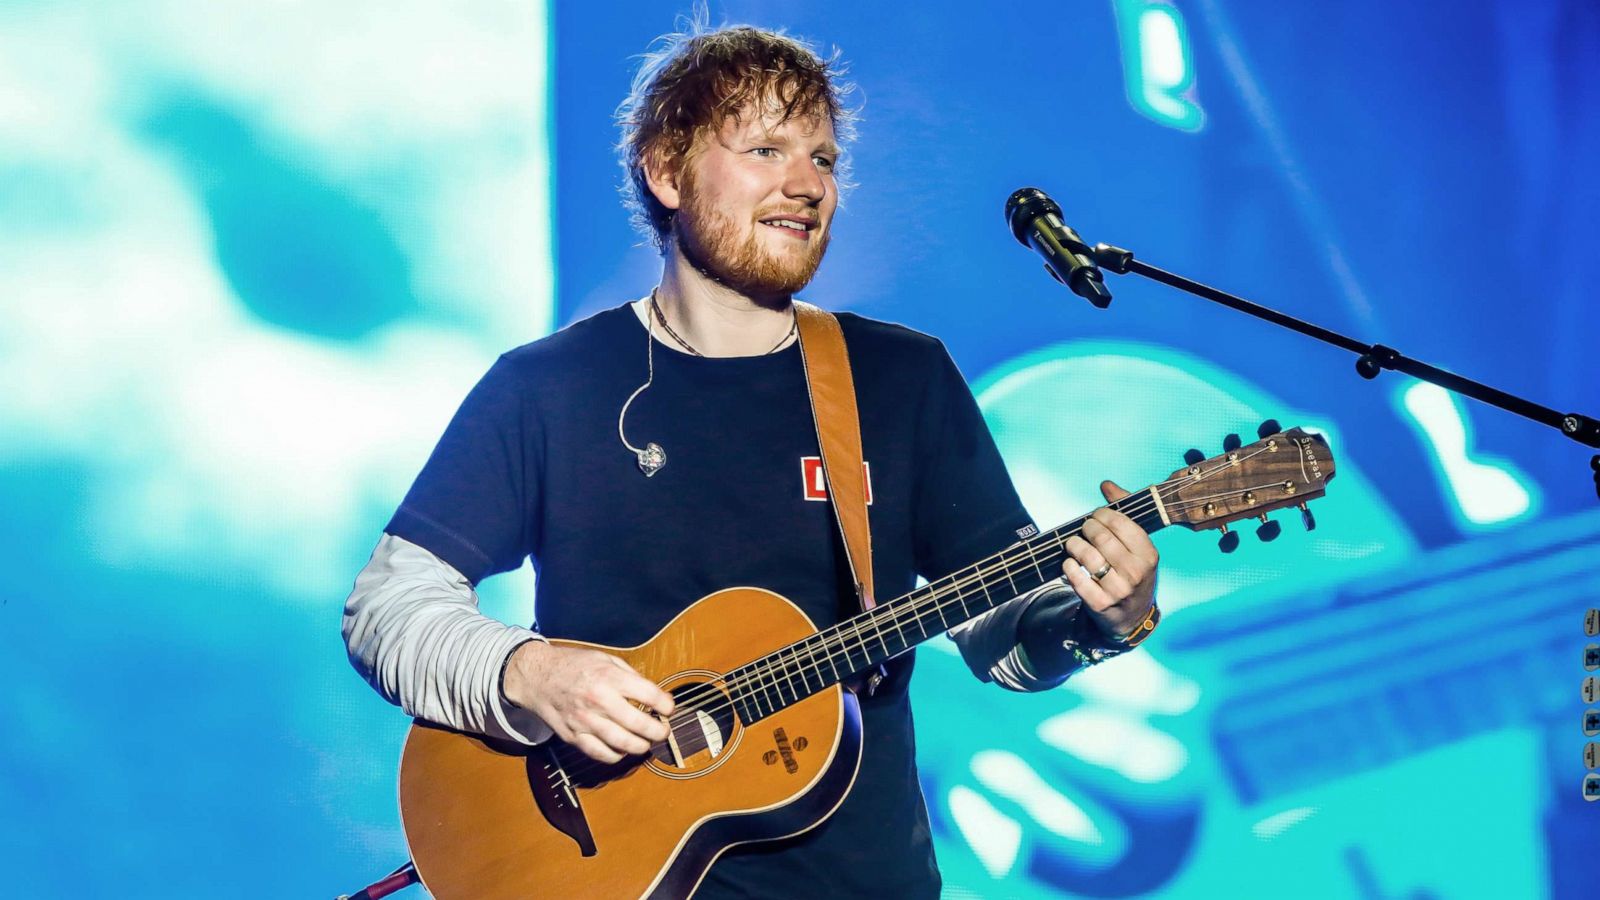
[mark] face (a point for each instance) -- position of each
(755, 202)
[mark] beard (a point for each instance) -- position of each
(710, 242)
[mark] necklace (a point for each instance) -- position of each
(651, 457)
(794, 323)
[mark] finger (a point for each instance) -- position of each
(1117, 553)
(1136, 539)
(1120, 580)
(620, 739)
(1116, 585)
(1111, 491)
(641, 690)
(1086, 553)
(636, 720)
(1086, 587)
(594, 749)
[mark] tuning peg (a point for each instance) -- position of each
(1231, 443)
(1269, 427)
(1229, 541)
(1193, 457)
(1268, 530)
(1307, 519)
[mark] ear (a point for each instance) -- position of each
(661, 176)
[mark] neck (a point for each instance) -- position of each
(859, 644)
(716, 319)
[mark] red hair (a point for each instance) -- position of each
(697, 80)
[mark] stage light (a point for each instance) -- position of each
(1158, 68)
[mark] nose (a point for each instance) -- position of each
(802, 181)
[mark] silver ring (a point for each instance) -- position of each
(1104, 571)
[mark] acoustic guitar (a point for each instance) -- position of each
(765, 739)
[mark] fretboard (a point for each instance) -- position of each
(863, 642)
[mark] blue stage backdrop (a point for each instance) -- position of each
(252, 255)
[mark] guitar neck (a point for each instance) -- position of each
(867, 640)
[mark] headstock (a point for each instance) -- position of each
(1282, 469)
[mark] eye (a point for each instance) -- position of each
(765, 152)
(824, 163)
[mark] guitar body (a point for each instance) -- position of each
(487, 819)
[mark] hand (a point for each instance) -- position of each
(587, 697)
(1119, 600)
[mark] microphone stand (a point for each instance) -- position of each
(1371, 358)
(404, 876)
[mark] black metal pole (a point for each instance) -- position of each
(1372, 358)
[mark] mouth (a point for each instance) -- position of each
(795, 226)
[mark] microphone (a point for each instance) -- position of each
(1035, 222)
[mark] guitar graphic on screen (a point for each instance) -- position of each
(1351, 710)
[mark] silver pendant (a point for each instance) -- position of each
(651, 459)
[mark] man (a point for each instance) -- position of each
(731, 141)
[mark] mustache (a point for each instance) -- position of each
(804, 213)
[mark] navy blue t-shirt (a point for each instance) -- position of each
(531, 466)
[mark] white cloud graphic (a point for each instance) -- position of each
(204, 432)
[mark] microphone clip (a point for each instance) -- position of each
(1035, 222)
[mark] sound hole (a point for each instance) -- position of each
(702, 727)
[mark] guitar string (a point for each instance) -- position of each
(1146, 504)
(982, 573)
(765, 679)
(863, 642)
(582, 764)
(771, 674)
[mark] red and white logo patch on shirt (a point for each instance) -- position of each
(814, 484)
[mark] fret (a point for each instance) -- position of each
(858, 641)
(921, 625)
(956, 603)
(961, 596)
(751, 684)
(895, 620)
(973, 594)
(793, 668)
(836, 677)
(1035, 561)
(741, 706)
(877, 629)
(1005, 568)
(800, 657)
(844, 647)
(811, 669)
(863, 639)
(783, 676)
(933, 603)
(988, 601)
(768, 683)
(805, 661)
(752, 690)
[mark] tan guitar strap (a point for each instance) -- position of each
(833, 407)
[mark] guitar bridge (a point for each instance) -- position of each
(557, 798)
